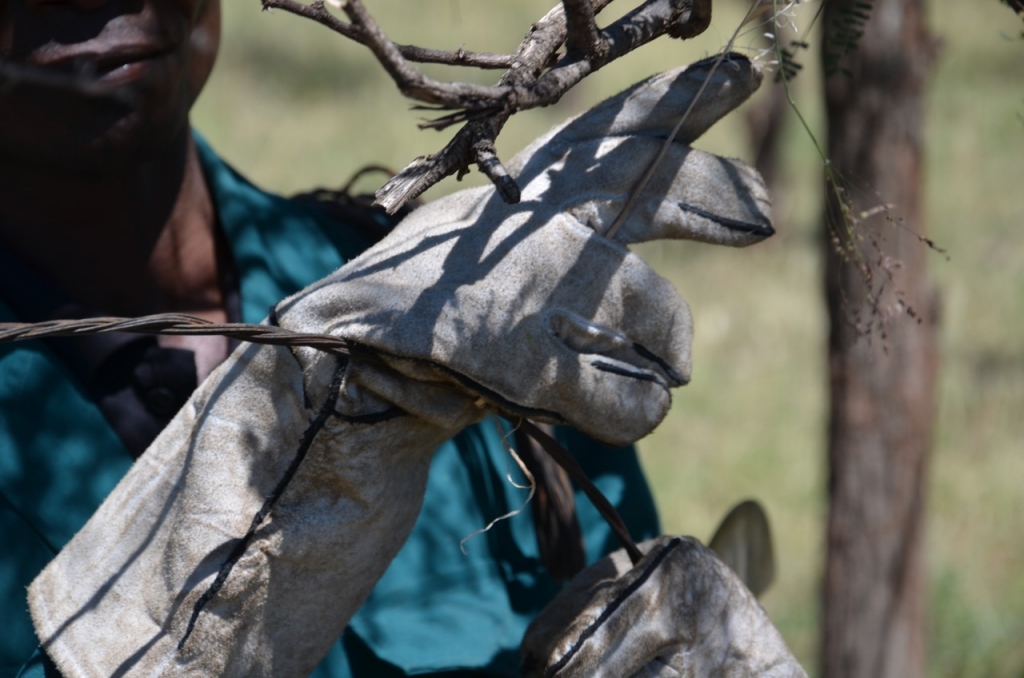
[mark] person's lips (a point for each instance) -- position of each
(111, 66)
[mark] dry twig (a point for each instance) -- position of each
(537, 75)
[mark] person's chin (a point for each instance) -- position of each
(138, 136)
(135, 121)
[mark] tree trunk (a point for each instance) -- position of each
(882, 348)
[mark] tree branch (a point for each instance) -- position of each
(582, 36)
(535, 76)
(411, 82)
(460, 57)
(647, 22)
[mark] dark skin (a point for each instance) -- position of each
(101, 191)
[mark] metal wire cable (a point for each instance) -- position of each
(174, 324)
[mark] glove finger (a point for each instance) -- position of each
(536, 315)
(609, 621)
(693, 195)
(680, 611)
(651, 108)
(630, 341)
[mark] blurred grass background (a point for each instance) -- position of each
(294, 106)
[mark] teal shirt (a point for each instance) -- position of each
(436, 610)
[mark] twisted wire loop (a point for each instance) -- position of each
(173, 323)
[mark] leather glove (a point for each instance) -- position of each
(679, 613)
(469, 306)
(526, 306)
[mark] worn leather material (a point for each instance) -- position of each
(526, 305)
(469, 306)
(679, 613)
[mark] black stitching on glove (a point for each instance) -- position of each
(308, 436)
(673, 374)
(764, 229)
(612, 607)
(625, 372)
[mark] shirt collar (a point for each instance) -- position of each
(279, 246)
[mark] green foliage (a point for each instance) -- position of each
(789, 67)
(843, 36)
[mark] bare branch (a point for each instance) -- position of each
(531, 57)
(647, 22)
(487, 160)
(460, 57)
(535, 52)
(583, 39)
(413, 83)
(695, 24)
(535, 77)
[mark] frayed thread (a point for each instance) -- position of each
(531, 485)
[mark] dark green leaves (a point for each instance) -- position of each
(844, 35)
